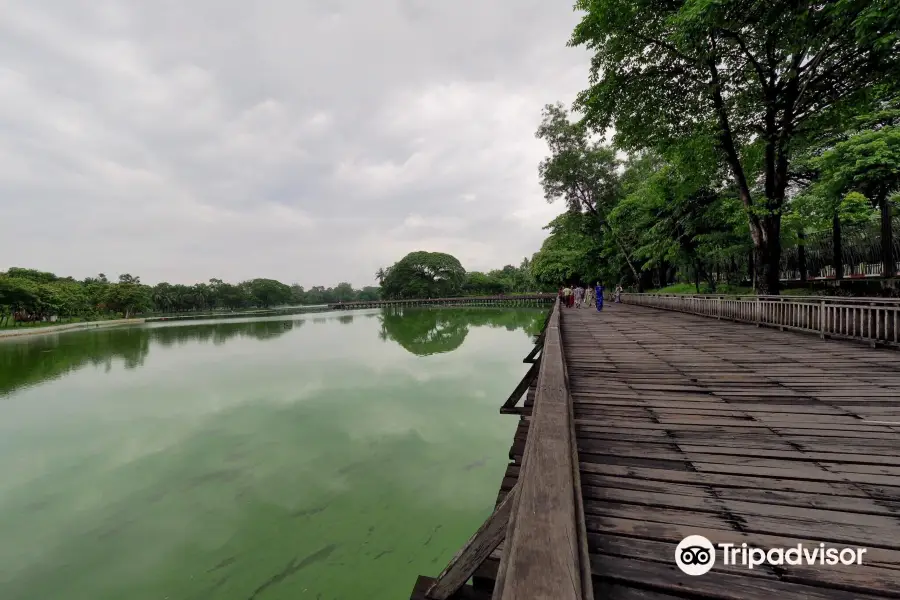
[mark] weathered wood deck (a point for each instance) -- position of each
(687, 425)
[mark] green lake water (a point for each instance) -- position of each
(334, 456)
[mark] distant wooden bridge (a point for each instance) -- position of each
(643, 426)
(500, 300)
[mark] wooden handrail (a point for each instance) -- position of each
(498, 297)
(543, 552)
(783, 298)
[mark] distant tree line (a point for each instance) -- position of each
(29, 295)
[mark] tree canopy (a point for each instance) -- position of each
(755, 80)
(424, 275)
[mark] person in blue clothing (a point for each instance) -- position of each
(598, 292)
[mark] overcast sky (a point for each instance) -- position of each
(310, 141)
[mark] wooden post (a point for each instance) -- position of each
(822, 319)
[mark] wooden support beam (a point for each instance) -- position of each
(538, 345)
(539, 341)
(470, 557)
(423, 584)
(522, 387)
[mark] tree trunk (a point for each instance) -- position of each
(767, 260)
(751, 270)
(801, 254)
(697, 277)
(837, 254)
(887, 239)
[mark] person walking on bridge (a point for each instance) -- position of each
(579, 296)
(598, 290)
(619, 291)
(588, 297)
(567, 296)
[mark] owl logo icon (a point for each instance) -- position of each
(695, 555)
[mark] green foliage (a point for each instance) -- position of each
(868, 163)
(580, 171)
(127, 298)
(571, 253)
(757, 80)
(38, 296)
(268, 292)
(425, 275)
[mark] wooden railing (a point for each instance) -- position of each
(458, 300)
(541, 520)
(545, 550)
(875, 321)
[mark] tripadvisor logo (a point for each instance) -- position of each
(696, 555)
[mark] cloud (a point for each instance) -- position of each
(309, 141)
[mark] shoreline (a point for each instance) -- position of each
(27, 331)
(50, 329)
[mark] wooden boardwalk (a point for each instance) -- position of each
(686, 425)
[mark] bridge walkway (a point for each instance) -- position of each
(687, 425)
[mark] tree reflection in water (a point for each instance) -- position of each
(421, 331)
(426, 331)
(31, 361)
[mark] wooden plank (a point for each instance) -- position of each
(762, 482)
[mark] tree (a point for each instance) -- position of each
(868, 163)
(673, 214)
(754, 76)
(31, 275)
(481, 284)
(572, 252)
(580, 171)
(369, 293)
(127, 298)
(268, 292)
(344, 292)
(425, 275)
